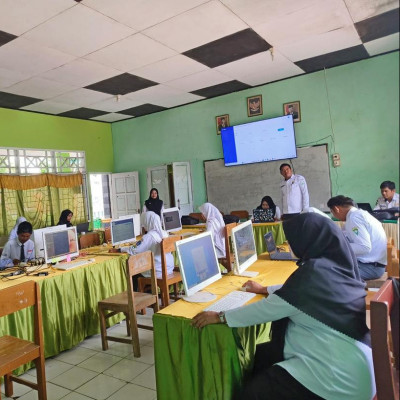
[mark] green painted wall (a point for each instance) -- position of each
(39, 131)
(352, 108)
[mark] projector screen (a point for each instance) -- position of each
(267, 140)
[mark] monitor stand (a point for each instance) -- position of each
(200, 297)
(247, 274)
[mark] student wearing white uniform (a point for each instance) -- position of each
(13, 233)
(19, 249)
(216, 225)
(320, 345)
(365, 234)
(389, 199)
(294, 190)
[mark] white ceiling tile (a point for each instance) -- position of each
(208, 22)
(112, 105)
(78, 31)
(112, 117)
(200, 80)
(169, 69)
(315, 45)
(49, 107)
(81, 97)
(261, 68)
(9, 77)
(24, 56)
(363, 9)
(140, 14)
(39, 88)
(80, 72)
(383, 45)
(132, 52)
(18, 16)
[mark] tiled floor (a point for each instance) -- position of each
(86, 372)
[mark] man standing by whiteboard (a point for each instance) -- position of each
(294, 190)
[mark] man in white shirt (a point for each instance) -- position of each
(365, 234)
(20, 249)
(294, 190)
(389, 199)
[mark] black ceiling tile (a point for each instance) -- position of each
(83, 113)
(229, 48)
(6, 37)
(333, 59)
(222, 88)
(9, 100)
(379, 26)
(122, 84)
(142, 110)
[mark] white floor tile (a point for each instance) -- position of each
(120, 349)
(76, 355)
(131, 391)
(53, 368)
(101, 387)
(100, 362)
(19, 390)
(74, 378)
(75, 396)
(147, 379)
(54, 392)
(126, 370)
(146, 355)
(93, 343)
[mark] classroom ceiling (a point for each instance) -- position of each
(109, 60)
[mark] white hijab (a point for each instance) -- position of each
(13, 233)
(152, 224)
(215, 224)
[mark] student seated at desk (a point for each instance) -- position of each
(151, 241)
(268, 203)
(389, 199)
(320, 346)
(154, 203)
(65, 218)
(19, 249)
(13, 233)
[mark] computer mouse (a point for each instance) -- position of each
(244, 288)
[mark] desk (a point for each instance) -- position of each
(69, 303)
(209, 363)
(261, 229)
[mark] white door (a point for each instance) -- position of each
(183, 187)
(125, 196)
(157, 177)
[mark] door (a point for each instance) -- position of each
(183, 187)
(157, 177)
(125, 196)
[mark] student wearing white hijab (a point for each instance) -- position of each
(13, 233)
(151, 241)
(216, 225)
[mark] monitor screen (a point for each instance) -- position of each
(244, 247)
(171, 219)
(198, 262)
(136, 222)
(267, 140)
(58, 245)
(122, 231)
(38, 238)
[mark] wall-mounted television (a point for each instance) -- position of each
(267, 140)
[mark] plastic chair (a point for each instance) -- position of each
(14, 351)
(89, 240)
(228, 259)
(130, 302)
(242, 214)
(385, 313)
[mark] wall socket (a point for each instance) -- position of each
(336, 160)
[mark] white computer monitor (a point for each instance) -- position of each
(198, 265)
(60, 245)
(122, 230)
(244, 247)
(136, 222)
(171, 219)
(39, 240)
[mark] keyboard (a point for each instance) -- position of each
(232, 300)
(73, 264)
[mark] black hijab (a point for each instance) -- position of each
(270, 203)
(63, 218)
(154, 205)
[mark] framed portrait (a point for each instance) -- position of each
(294, 109)
(254, 105)
(222, 121)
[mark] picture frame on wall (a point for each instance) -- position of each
(293, 108)
(254, 105)
(222, 121)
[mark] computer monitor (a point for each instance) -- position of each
(198, 265)
(244, 247)
(171, 219)
(60, 245)
(136, 222)
(122, 231)
(39, 240)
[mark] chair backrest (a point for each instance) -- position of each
(228, 245)
(385, 308)
(107, 235)
(198, 216)
(242, 214)
(167, 246)
(392, 266)
(89, 240)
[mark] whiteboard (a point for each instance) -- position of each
(242, 187)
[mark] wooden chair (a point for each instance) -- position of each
(107, 235)
(198, 216)
(228, 259)
(89, 240)
(167, 246)
(385, 312)
(242, 214)
(130, 302)
(15, 352)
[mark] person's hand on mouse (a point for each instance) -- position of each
(255, 287)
